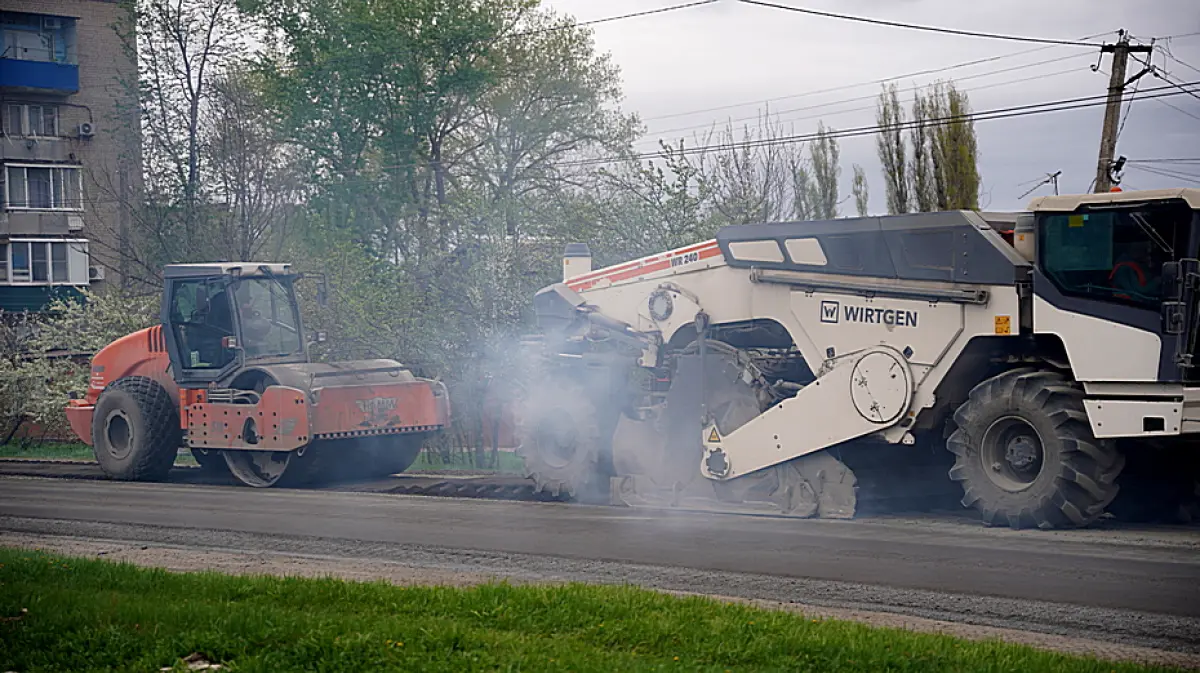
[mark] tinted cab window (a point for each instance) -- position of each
(1113, 255)
(201, 318)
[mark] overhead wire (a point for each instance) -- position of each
(1169, 160)
(914, 26)
(857, 85)
(648, 12)
(874, 96)
(1157, 72)
(998, 113)
(1182, 177)
(986, 115)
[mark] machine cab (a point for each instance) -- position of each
(1120, 258)
(218, 317)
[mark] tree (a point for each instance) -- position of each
(861, 194)
(251, 184)
(955, 150)
(890, 144)
(443, 140)
(921, 171)
(824, 154)
(218, 181)
(941, 173)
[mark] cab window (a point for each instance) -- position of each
(1112, 255)
(201, 319)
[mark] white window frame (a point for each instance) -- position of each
(8, 205)
(25, 120)
(81, 245)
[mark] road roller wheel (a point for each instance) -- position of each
(260, 469)
(135, 430)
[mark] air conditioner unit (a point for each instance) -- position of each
(86, 130)
(95, 273)
(74, 223)
(51, 23)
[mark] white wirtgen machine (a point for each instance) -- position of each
(1043, 361)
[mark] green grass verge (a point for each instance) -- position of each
(35, 450)
(88, 615)
(509, 462)
(63, 450)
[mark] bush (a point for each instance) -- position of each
(45, 355)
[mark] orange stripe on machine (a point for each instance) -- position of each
(646, 265)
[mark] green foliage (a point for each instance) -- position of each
(862, 196)
(45, 358)
(438, 136)
(825, 171)
(85, 615)
(941, 173)
(890, 144)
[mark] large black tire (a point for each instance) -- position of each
(559, 435)
(135, 430)
(1025, 455)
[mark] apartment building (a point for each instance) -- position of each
(69, 148)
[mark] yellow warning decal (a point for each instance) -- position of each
(713, 437)
(1076, 220)
(1003, 324)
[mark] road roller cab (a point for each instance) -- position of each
(228, 375)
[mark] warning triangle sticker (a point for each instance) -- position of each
(713, 436)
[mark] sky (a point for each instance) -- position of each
(677, 65)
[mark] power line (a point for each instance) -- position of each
(1172, 160)
(913, 26)
(1178, 109)
(863, 108)
(913, 88)
(846, 87)
(1184, 177)
(648, 12)
(1164, 102)
(999, 113)
(1181, 62)
(1157, 72)
(1129, 107)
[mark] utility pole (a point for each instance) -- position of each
(1112, 112)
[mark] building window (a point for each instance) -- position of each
(36, 37)
(42, 262)
(31, 119)
(42, 187)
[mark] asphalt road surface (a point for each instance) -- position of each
(1135, 586)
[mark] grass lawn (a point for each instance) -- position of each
(86, 615)
(510, 463)
(35, 450)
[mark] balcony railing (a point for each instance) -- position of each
(38, 76)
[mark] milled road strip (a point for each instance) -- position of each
(190, 559)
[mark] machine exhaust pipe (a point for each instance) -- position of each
(577, 260)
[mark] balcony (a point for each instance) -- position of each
(19, 75)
